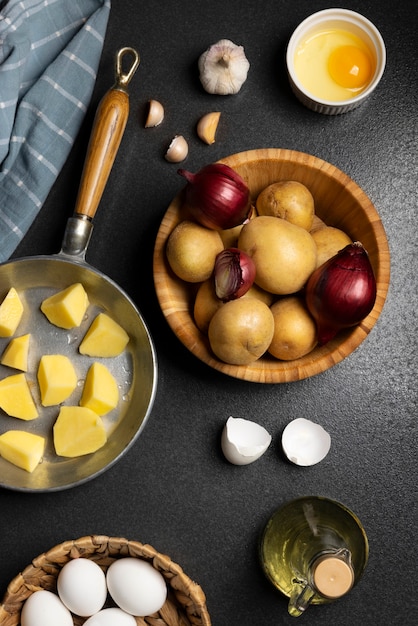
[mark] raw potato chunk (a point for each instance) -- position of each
(100, 392)
(16, 353)
(104, 338)
(11, 311)
(78, 431)
(16, 399)
(57, 379)
(66, 308)
(23, 449)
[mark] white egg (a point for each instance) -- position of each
(136, 586)
(111, 617)
(81, 585)
(44, 608)
(304, 442)
(243, 441)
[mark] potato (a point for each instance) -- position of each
(100, 391)
(11, 311)
(284, 254)
(205, 305)
(23, 449)
(317, 224)
(57, 378)
(241, 331)
(16, 398)
(329, 241)
(191, 251)
(66, 308)
(104, 338)
(261, 294)
(288, 199)
(78, 431)
(16, 353)
(294, 329)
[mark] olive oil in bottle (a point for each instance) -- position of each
(313, 550)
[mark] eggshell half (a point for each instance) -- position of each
(136, 586)
(243, 441)
(304, 442)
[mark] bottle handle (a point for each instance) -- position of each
(300, 598)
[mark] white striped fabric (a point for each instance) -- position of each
(49, 55)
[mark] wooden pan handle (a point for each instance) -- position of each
(108, 128)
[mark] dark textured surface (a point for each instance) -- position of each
(174, 489)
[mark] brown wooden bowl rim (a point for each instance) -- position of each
(267, 369)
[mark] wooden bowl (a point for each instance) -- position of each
(185, 604)
(340, 202)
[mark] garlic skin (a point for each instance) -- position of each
(177, 150)
(223, 68)
(155, 114)
(243, 441)
(207, 127)
(305, 443)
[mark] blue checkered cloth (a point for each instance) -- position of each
(49, 56)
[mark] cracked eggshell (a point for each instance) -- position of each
(304, 442)
(243, 441)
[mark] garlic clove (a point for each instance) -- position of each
(223, 68)
(155, 114)
(304, 442)
(177, 150)
(243, 441)
(207, 127)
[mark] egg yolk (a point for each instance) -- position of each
(350, 67)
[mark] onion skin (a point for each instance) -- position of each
(234, 274)
(217, 196)
(341, 292)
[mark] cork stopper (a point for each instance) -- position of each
(332, 576)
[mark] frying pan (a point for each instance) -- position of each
(36, 277)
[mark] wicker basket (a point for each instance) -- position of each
(185, 605)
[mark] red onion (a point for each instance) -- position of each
(217, 196)
(341, 292)
(234, 274)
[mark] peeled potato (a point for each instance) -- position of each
(11, 311)
(104, 338)
(78, 431)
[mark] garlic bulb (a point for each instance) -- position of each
(223, 68)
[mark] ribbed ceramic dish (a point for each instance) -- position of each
(340, 202)
(185, 604)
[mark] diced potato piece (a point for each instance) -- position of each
(66, 308)
(57, 378)
(104, 338)
(16, 353)
(16, 399)
(11, 311)
(78, 431)
(100, 391)
(22, 448)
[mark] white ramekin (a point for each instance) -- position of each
(349, 21)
